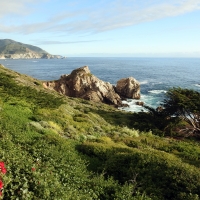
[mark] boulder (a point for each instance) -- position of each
(128, 88)
(139, 103)
(82, 84)
(159, 109)
(125, 105)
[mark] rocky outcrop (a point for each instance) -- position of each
(128, 88)
(82, 84)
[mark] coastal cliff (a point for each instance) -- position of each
(82, 84)
(10, 49)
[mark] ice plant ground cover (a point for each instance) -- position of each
(73, 149)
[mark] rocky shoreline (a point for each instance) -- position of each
(30, 56)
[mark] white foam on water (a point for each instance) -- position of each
(132, 107)
(197, 85)
(156, 83)
(144, 82)
(148, 100)
(157, 91)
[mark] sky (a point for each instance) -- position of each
(133, 28)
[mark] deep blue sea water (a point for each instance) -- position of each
(156, 75)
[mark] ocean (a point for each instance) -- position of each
(156, 75)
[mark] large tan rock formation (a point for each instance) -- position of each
(82, 84)
(128, 88)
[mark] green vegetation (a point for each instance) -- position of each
(12, 47)
(185, 104)
(56, 147)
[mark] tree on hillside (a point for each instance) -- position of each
(159, 122)
(185, 104)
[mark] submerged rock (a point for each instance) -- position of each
(139, 103)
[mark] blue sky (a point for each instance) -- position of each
(156, 28)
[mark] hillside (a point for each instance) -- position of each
(57, 147)
(15, 50)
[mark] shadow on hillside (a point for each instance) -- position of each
(116, 118)
(141, 121)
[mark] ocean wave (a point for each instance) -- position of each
(156, 83)
(144, 82)
(197, 85)
(134, 107)
(157, 91)
(148, 99)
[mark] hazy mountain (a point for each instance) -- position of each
(16, 50)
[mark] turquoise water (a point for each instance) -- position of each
(156, 75)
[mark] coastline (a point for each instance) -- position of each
(156, 75)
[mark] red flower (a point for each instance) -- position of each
(2, 167)
(3, 170)
(33, 169)
(1, 184)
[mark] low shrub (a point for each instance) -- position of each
(9, 88)
(161, 175)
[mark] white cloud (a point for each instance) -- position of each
(46, 42)
(19, 7)
(123, 16)
(102, 16)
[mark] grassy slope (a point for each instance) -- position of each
(56, 147)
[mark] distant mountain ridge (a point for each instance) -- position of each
(16, 50)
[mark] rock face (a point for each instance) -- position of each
(128, 88)
(82, 84)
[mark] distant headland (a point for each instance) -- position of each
(10, 49)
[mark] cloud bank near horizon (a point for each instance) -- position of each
(50, 42)
(99, 17)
